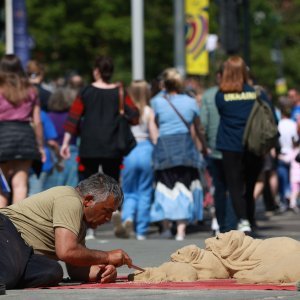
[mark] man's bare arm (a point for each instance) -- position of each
(70, 251)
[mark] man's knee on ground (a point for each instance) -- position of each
(41, 272)
(55, 274)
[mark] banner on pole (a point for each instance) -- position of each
(21, 38)
(196, 32)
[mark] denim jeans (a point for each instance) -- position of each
(37, 184)
(137, 184)
(69, 175)
(225, 214)
(283, 171)
(176, 150)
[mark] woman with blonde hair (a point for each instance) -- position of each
(21, 132)
(234, 101)
(137, 175)
(178, 193)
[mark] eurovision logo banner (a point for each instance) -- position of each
(196, 33)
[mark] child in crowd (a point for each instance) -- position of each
(38, 183)
(294, 175)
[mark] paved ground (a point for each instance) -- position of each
(155, 251)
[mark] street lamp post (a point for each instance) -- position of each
(246, 32)
(9, 45)
(137, 29)
(179, 38)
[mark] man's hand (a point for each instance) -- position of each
(119, 258)
(96, 273)
(106, 273)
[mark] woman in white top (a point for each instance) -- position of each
(137, 175)
(287, 128)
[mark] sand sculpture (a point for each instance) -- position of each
(231, 255)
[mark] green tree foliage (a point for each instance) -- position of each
(159, 39)
(69, 34)
(290, 41)
(265, 35)
(274, 39)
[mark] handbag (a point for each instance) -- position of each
(198, 133)
(125, 139)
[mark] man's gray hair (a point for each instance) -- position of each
(100, 186)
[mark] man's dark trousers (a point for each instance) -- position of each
(19, 266)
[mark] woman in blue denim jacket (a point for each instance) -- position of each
(178, 193)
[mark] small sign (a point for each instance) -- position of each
(281, 86)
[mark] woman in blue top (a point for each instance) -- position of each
(178, 192)
(234, 101)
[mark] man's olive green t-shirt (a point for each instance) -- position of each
(36, 217)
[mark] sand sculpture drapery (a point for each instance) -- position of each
(231, 255)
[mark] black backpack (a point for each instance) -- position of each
(261, 131)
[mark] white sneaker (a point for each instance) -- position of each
(179, 238)
(141, 237)
(128, 225)
(215, 226)
(90, 235)
(295, 209)
(119, 229)
(244, 226)
(167, 234)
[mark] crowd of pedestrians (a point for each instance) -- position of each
(58, 136)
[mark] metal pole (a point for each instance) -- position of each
(179, 37)
(137, 30)
(9, 33)
(246, 32)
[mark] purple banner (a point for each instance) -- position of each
(21, 39)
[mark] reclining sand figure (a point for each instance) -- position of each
(231, 255)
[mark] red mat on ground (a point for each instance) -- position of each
(216, 284)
